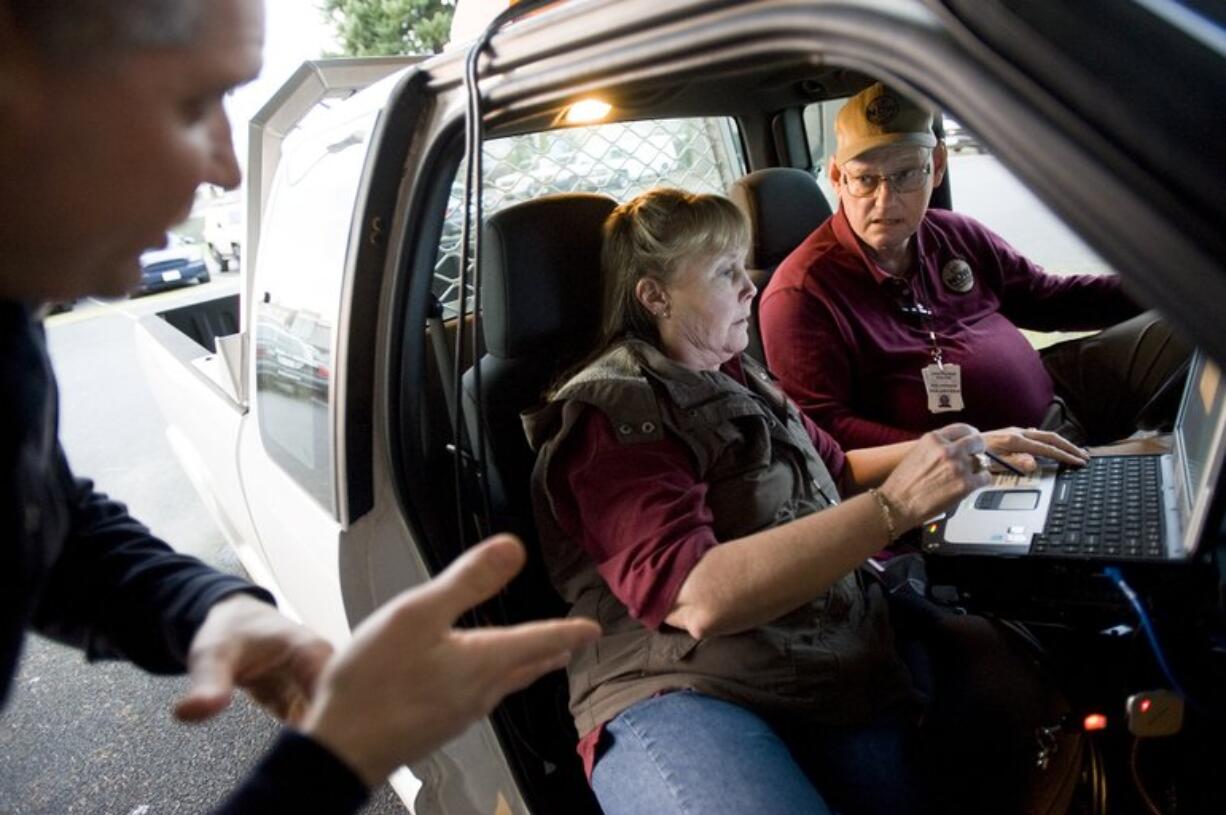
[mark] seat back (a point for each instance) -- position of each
(783, 205)
(541, 311)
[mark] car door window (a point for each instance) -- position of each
(298, 288)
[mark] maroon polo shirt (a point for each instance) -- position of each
(640, 512)
(835, 334)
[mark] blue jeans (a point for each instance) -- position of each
(686, 753)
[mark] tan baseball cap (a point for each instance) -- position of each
(876, 117)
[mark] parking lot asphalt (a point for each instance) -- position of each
(80, 738)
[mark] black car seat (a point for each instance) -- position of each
(783, 206)
(541, 310)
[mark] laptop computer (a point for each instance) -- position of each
(1119, 507)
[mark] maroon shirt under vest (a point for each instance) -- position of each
(835, 335)
(640, 512)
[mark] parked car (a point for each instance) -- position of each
(288, 362)
(179, 262)
(339, 507)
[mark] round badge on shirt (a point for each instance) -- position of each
(957, 276)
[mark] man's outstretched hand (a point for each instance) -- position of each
(247, 643)
(410, 681)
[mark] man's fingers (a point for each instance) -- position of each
(1067, 451)
(525, 675)
(1023, 461)
(281, 696)
(532, 643)
(211, 676)
(1053, 438)
(1047, 445)
(474, 577)
(1056, 453)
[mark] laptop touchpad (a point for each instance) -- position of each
(1014, 500)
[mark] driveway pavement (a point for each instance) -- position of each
(78, 738)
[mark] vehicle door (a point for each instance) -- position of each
(291, 449)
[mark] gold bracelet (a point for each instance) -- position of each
(887, 513)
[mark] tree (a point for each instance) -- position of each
(385, 27)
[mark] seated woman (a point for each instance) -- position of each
(685, 504)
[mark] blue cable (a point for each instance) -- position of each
(1117, 577)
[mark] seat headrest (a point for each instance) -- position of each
(541, 267)
(783, 206)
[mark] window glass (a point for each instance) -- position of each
(985, 190)
(297, 289)
(621, 159)
(819, 129)
(981, 187)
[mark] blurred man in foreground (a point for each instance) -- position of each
(110, 117)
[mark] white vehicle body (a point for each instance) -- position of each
(223, 235)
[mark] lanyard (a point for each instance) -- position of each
(911, 306)
(935, 350)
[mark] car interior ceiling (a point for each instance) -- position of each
(741, 92)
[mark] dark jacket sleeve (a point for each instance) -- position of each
(117, 591)
(297, 775)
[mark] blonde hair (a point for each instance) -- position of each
(650, 236)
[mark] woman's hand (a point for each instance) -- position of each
(939, 471)
(1019, 447)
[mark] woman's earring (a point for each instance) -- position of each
(668, 312)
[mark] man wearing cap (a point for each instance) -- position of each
(892, 318)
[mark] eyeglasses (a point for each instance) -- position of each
(865, 186)
(905, 300)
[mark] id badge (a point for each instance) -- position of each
(944, 386)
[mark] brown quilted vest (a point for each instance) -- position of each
(831, 660)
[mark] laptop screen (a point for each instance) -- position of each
(1198, 440)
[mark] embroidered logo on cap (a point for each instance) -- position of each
(882, 110)
(957, 276)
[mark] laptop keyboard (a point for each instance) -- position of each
(1111, 508)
